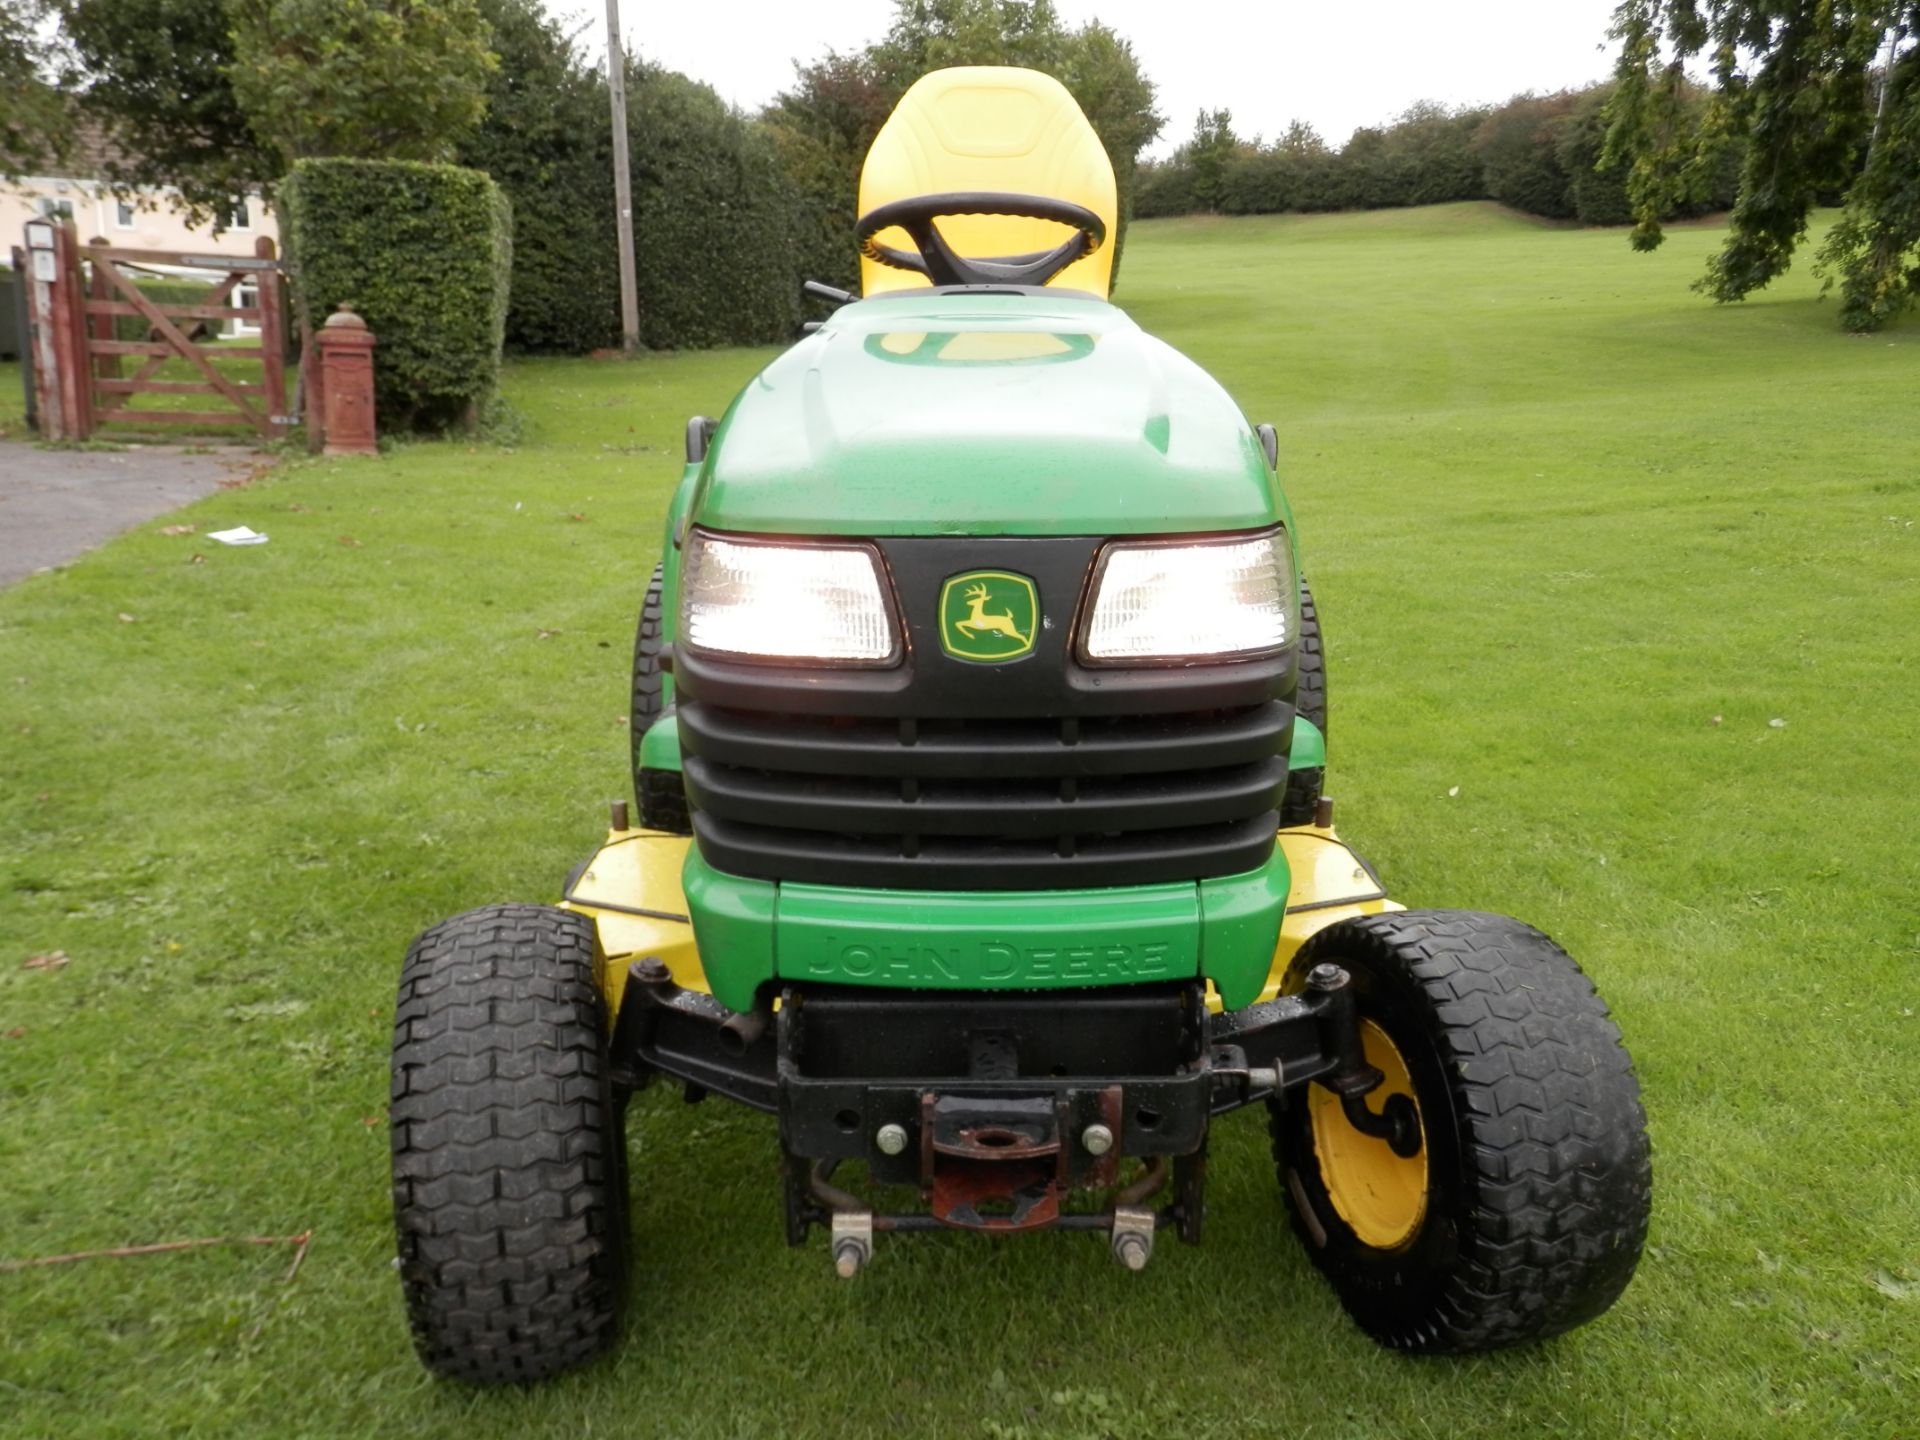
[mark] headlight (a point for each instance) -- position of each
(1206, 600)
(763, 601)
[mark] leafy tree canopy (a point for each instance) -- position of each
(1826, 96)
(385, 79)
(32, 132)
(215, 97)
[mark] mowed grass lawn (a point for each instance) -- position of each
(1621, 598)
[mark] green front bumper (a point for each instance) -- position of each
(752, 931)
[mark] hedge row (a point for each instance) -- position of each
(1537, 153)
(714, 212)
(424, 254)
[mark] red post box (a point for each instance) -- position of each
(346, 383)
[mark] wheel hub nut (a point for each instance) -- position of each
(892, 1139)
(1098, 1139)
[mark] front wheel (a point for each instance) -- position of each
(509, 1157)
(1302, 796)
(660, 794)
(1522, 1210)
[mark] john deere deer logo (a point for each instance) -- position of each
(988, 615)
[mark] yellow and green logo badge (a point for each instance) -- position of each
(988, 615)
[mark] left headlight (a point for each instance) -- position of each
(757, 600)
(1223, 599)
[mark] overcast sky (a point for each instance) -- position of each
(1334, 65)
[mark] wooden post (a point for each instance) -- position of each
(273, 342)
(107, 367)
(42, 278)
(622, 183)
(78, 379)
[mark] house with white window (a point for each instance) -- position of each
(148, 219)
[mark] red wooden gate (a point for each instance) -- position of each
(78, 292)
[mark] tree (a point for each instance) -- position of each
(32, 128)
(372, 79)
(216, 97)
(1302, 140)
(1795, 84)
(1518, 149)
(154, 75)
(1213, 146)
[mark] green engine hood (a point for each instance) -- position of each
(1010, 414)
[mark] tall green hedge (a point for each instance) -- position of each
(714, 214)
(424, 254)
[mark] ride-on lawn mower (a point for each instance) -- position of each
(979, 722)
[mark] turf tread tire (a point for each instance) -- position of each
(1540, 1169)
(659, 795)
(1302, 795)
(509, 1174)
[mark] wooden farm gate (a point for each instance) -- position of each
(86, 376)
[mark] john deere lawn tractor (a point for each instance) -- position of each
(979, 721)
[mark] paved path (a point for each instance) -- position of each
(57, 504)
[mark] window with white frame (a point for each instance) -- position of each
(245, 297)
(123, 214)
(56, 209)
(234, 216)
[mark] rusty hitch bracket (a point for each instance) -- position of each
(996, 1106)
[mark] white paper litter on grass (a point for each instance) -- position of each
(239, 535)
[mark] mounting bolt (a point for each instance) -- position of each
(1326, 977)
(891, 1139)
(1098, 1140)
(651, 971)
(1133, 1236)
(852, 1242)
(617, 814)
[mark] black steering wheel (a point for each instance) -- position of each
(938, 261)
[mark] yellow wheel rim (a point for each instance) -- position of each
(1382, 1196)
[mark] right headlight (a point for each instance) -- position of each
(1220, 599)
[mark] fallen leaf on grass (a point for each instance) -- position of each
(370, 1121)
(296, 509)
(349, 542)
(1715, 720)
(197, 560)
(1453, 792)
(1895, 1289)
(125, 619)
(1776, 724)
(577, 515)
(19, 1032)
(545, 634)
(52, 960)
(176, 529)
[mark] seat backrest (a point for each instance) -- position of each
(990, 127)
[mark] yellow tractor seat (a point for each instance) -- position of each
(987, 174)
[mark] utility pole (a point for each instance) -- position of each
(622, 182)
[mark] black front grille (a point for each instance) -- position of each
(1001, 804)
(940, 775)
